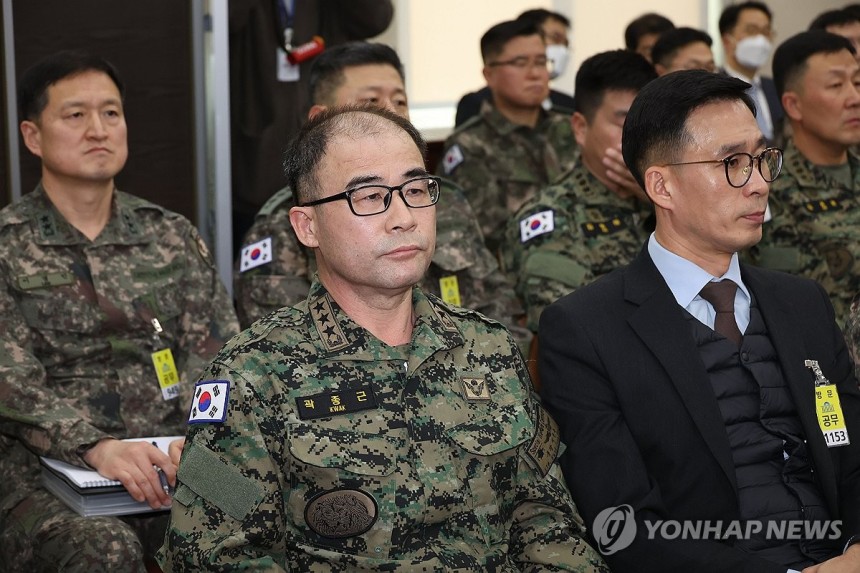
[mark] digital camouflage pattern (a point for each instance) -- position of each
(501, 164)
(852, 335)
(76, 338)
(595, 231)
(460, 252)
(815, 228)
(341, 453)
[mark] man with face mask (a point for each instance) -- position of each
(747, 35)
(555, 28)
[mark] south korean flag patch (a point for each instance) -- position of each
(537, 224)
(256, 254)
(210, 402)
(453, 158)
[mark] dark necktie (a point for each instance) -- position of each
(722, 296)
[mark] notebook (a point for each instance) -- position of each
(90, 493)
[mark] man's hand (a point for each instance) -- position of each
(174, 450)
(848, 562)
(133, 464)
(623, 183)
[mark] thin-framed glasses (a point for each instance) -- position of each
(367, 200)
(739, 166)
(524, 62)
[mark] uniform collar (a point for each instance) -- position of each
(807, 174)
(502, 125)
(51, 228)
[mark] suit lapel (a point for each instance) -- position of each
(784, 333)
(660, 323)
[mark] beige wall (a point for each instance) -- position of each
(438, 40)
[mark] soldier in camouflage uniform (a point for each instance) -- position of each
(578, 229)
(814, 225)
(275, 269)
(97, 287)
(372, 427)
(513, 148)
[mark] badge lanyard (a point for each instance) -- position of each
(162, 361)
(828, 409)
(286, 19)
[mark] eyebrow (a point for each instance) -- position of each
(730, 148)
(364, 179)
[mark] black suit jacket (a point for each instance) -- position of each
(621, 374)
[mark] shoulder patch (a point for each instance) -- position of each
(823, 205)
(453, 158)
(537, 224)
(256, 254)
(210, 402)
(543, 448)
(597, 228)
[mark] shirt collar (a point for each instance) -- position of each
(685, 278)
(755, 80)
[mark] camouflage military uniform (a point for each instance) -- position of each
(460, 256)
(568, 235)
(341, 453)
(815, 228)
(75, 359)
(501, 164)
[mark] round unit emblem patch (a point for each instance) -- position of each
(341, 513)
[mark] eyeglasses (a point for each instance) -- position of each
(524, 62)
(369, 200)
(739, 165)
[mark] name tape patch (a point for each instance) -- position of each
(328, 404)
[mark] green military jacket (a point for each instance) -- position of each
(76, 337)
(338, 452)
(814, 228)
(567, 236)
(460, 259)
(501, 164)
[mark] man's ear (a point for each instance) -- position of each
(658, 186)
(579, 126)
(32, 137)
(304, 224)
(316, 109)
(792, 105)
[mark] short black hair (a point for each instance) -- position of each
(791, 57)
(35, 81)
(541, 15)
(852, 9)
(671, 41)
(494, 40)
(829, 18)
(731, 14)
(650, 23)
(616, 70)
(656, 125)
(326, 74)
(309, 146)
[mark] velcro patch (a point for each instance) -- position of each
(210, 401)
(453, 158)
(597, 228)
(256, 254)
(543, 448)
(45, 280)
(537, 224)
(823, 205)
(328, 404)
(475, 388)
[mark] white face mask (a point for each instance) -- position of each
(753, 51)
(559, 54)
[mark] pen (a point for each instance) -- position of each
(161, 477)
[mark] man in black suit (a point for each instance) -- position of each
(747, 35)
(669, 412)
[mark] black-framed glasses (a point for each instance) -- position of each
(524, 62)
(367, 200)
(739, 166)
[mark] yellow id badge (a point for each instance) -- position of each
(165, 369)
(450, 290)
(830, 417)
